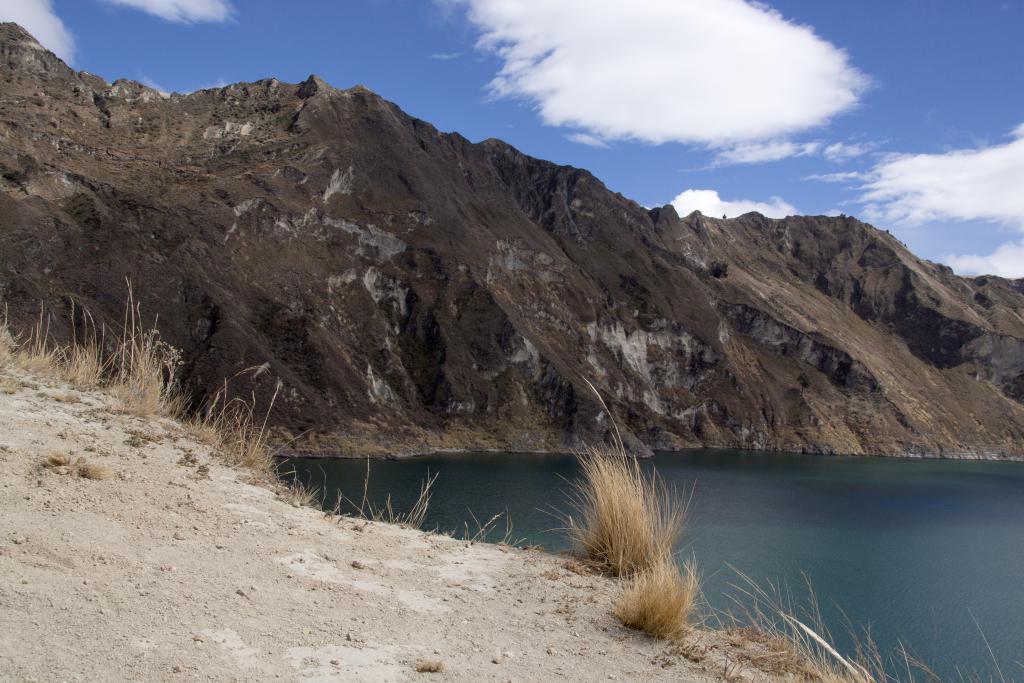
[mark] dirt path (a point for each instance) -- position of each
(176, 569)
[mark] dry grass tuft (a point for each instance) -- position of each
(299, 495)
(628, 520)
(82, 363)
(83, 366)
(429, 666)
(144, 368)
(35, 353)
(140, 371)
(660, 599)
(803, 647)
(64, 463)
(58, 459)
(412, 519)
(6, 342)
(202, 431)
(95, 471)
(232, 427)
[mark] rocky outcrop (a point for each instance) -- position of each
(410, 286)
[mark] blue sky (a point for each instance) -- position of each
(907, 113)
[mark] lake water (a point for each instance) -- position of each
(915, 550)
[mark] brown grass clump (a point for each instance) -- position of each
(139, 369)
(6, 343)
(429, 666)
(83, 366)
(202, 431)
(232, 427)
(82, 363)
(139, 372)
(628, 520)
(57, 459)
(35, 353)
(144, 367)
(299, 495)
(660, 599)
(95, 471)
(64, 463)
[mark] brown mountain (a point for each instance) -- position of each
(411, 287)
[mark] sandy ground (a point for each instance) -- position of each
(177, 569)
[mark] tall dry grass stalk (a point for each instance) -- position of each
(660, 599)
(7, 347)
(366, 509)
(144, 367)
(801, 634)
(35, 353)
(232, 427)
(140, 372)
(300, 495)
(627, 520)
(82, 364)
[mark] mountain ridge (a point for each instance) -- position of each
(413, 289)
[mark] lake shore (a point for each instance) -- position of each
(178, 565)
(406, 454)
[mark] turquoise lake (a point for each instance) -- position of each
(927, 553)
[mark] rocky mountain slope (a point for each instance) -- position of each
(409, 286)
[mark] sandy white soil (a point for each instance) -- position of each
(177, 569)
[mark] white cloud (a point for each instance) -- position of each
(587, 139)
(971, 184)
(446, 56)
(761, 152)
(147, 81)
(842, 151)
(710, 204)
(1006, 261)
(37, 17)
(183, 11)
(844, 177)
(694, 71)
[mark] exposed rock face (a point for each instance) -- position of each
(397, 278)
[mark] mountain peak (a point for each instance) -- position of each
(11, 32)
(20, 51)
(314, 85)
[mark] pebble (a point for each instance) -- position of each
(178, 536)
